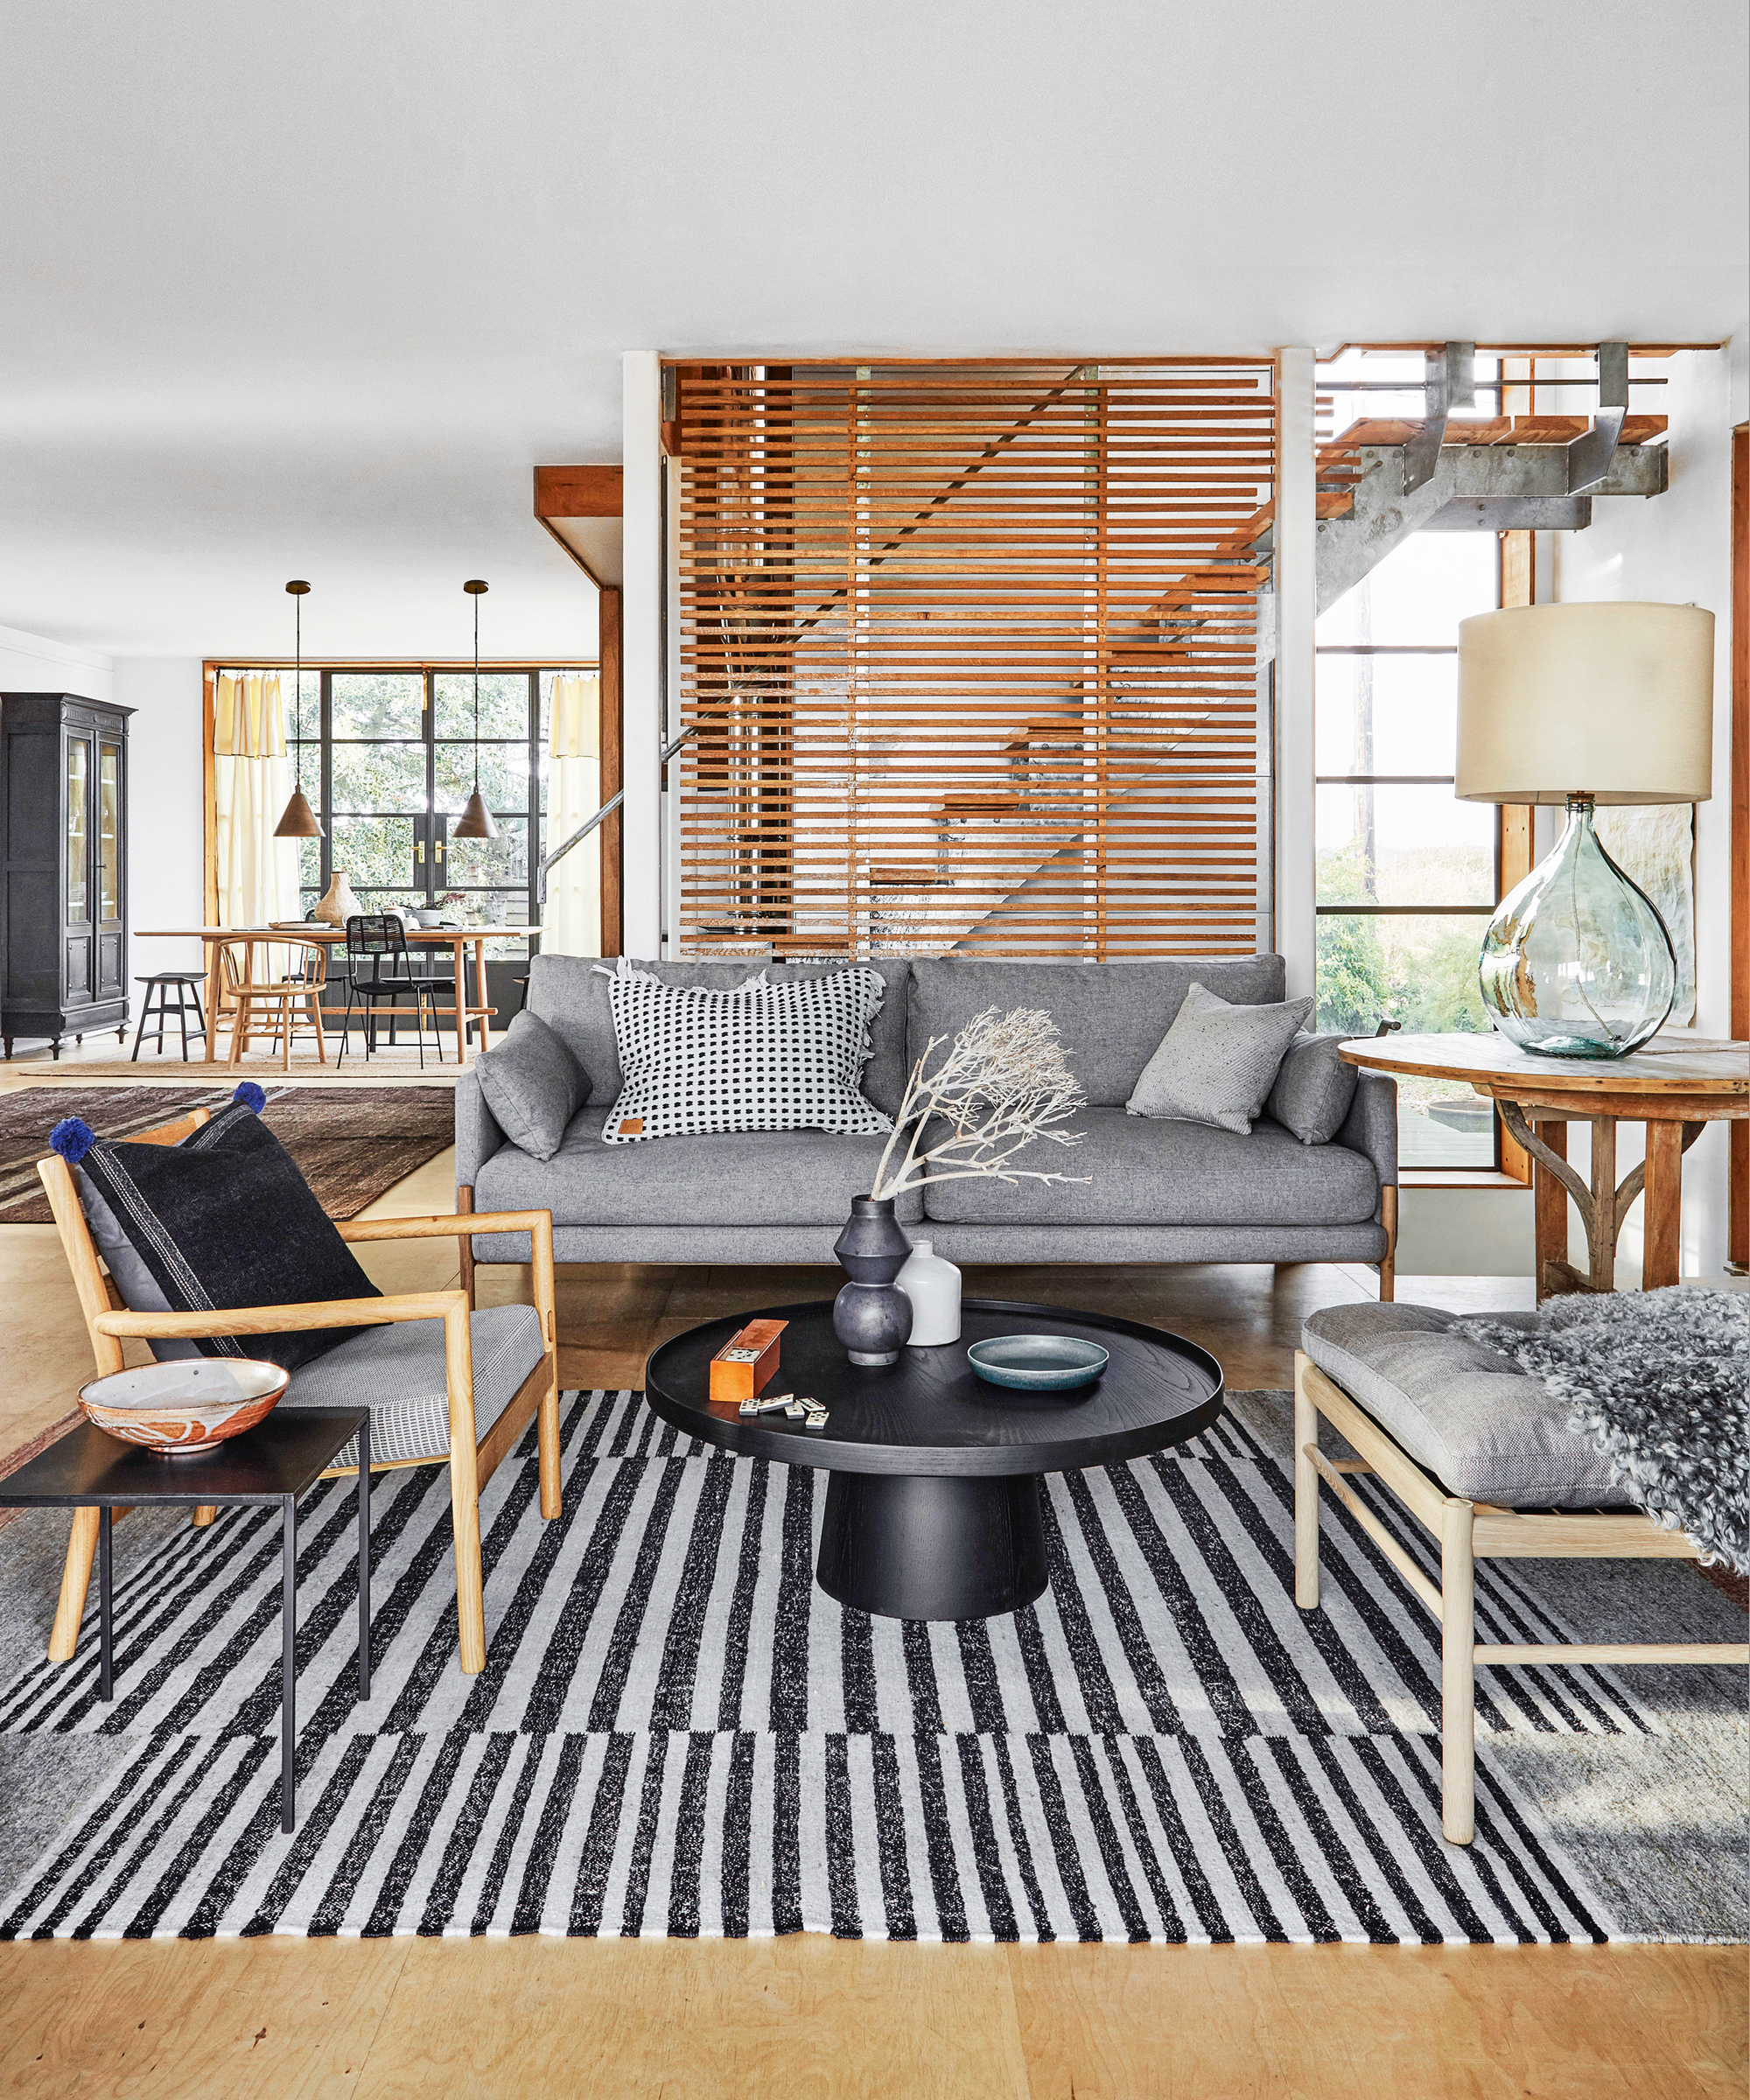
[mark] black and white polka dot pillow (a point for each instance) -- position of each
(765, 1057)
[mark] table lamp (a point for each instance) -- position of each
(1583, 704)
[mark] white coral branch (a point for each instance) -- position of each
(1003, 1084)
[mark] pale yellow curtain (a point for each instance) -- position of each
(573, 915)
(257, 872)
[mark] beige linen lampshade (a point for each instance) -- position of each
(1611, 701)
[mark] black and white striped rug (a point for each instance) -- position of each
(677, 1733)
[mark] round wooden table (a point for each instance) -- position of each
(1676, 1085)
(933, 1508)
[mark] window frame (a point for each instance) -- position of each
(1497, 1163)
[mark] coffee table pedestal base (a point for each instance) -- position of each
(933, 1546)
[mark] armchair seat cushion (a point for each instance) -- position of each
(398, 1373)
(1484, 1429)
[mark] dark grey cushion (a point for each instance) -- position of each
(571, 994)
(1169, 1173)
(1110, 1015)
(750, 1178)
(1314, 1089)
(1218, 1061)
(1480, 1425)
(533, 1085)
(138, 1286)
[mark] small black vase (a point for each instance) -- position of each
(871, 1316)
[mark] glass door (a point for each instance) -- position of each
(110, 964)
(77, 900)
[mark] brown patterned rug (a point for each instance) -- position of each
(352, 1143)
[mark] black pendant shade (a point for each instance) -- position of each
(297, 819)
(476, 820)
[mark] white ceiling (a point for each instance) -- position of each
(309, 290)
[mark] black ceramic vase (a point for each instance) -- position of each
(871, 1316)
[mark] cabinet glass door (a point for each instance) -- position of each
(109, 958)
(78, 830)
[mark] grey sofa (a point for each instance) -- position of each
(1157, 1190)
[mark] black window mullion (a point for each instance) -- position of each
(535, 845)
(429, 718)
(327, 790)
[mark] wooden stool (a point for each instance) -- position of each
(185, 981)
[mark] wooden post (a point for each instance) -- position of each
(465, 1486)
(1662, 1245)
(1458, 1674)
(1551, 1210)
(1388, 1268)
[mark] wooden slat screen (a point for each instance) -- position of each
(972, 653)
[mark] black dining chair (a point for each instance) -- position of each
(379, 974)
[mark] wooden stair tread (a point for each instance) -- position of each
(1495, 429)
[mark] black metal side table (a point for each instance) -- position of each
(276, 1461)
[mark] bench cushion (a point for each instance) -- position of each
(398, 1373)
(1143, 1172)
(1484, 1428)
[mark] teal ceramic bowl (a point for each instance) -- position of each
(1038, 1363)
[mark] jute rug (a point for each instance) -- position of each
(352, 1143)
(677, 1733)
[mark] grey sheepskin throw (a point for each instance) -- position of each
(1658, 1379)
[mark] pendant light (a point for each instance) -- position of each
(297, 819)
(475, 822)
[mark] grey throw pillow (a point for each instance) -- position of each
(533, 1085)
(1313, 1091)
(1217, 1063)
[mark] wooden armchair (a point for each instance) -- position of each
(472, 1463)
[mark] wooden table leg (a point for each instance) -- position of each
(212, 1001)
(480, 987)
(461, 1002)
(1551, 1200)
(1601, 1225)
(1662, 1245)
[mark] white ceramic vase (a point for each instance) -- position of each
(338, 903)
(933, 1285)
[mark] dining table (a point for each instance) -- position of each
(477, 1011)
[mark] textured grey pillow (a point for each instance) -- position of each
(1313, 1091)
(533, 1085)
(1217, 1063)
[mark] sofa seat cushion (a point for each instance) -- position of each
(1484, 1429)
(1143, 1172)
(398, 1373)
(747, 1177)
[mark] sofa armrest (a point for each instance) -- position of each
(478, 1136)
(1371, 1127)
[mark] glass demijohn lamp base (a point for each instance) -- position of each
(1577, 961)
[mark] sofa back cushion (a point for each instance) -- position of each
(1110, 1015)
(571, 994)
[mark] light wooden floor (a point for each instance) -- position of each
(795, 2018)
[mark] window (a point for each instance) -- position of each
(1407, 874)
(388, 759)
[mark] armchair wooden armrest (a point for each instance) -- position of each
(285, 1320)
(465, 1223)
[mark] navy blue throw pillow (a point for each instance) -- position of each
(224, 1218)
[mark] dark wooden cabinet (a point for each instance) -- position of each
(63, 866)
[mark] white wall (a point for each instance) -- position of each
(31, 664)
(164, 809)
(1677, 547)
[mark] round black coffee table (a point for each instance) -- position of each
(933, 1508)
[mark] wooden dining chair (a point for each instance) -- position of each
(472, 1459)
(279, 999)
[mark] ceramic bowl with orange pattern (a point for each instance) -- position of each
(179, 1410)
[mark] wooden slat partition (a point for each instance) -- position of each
(971, 650)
